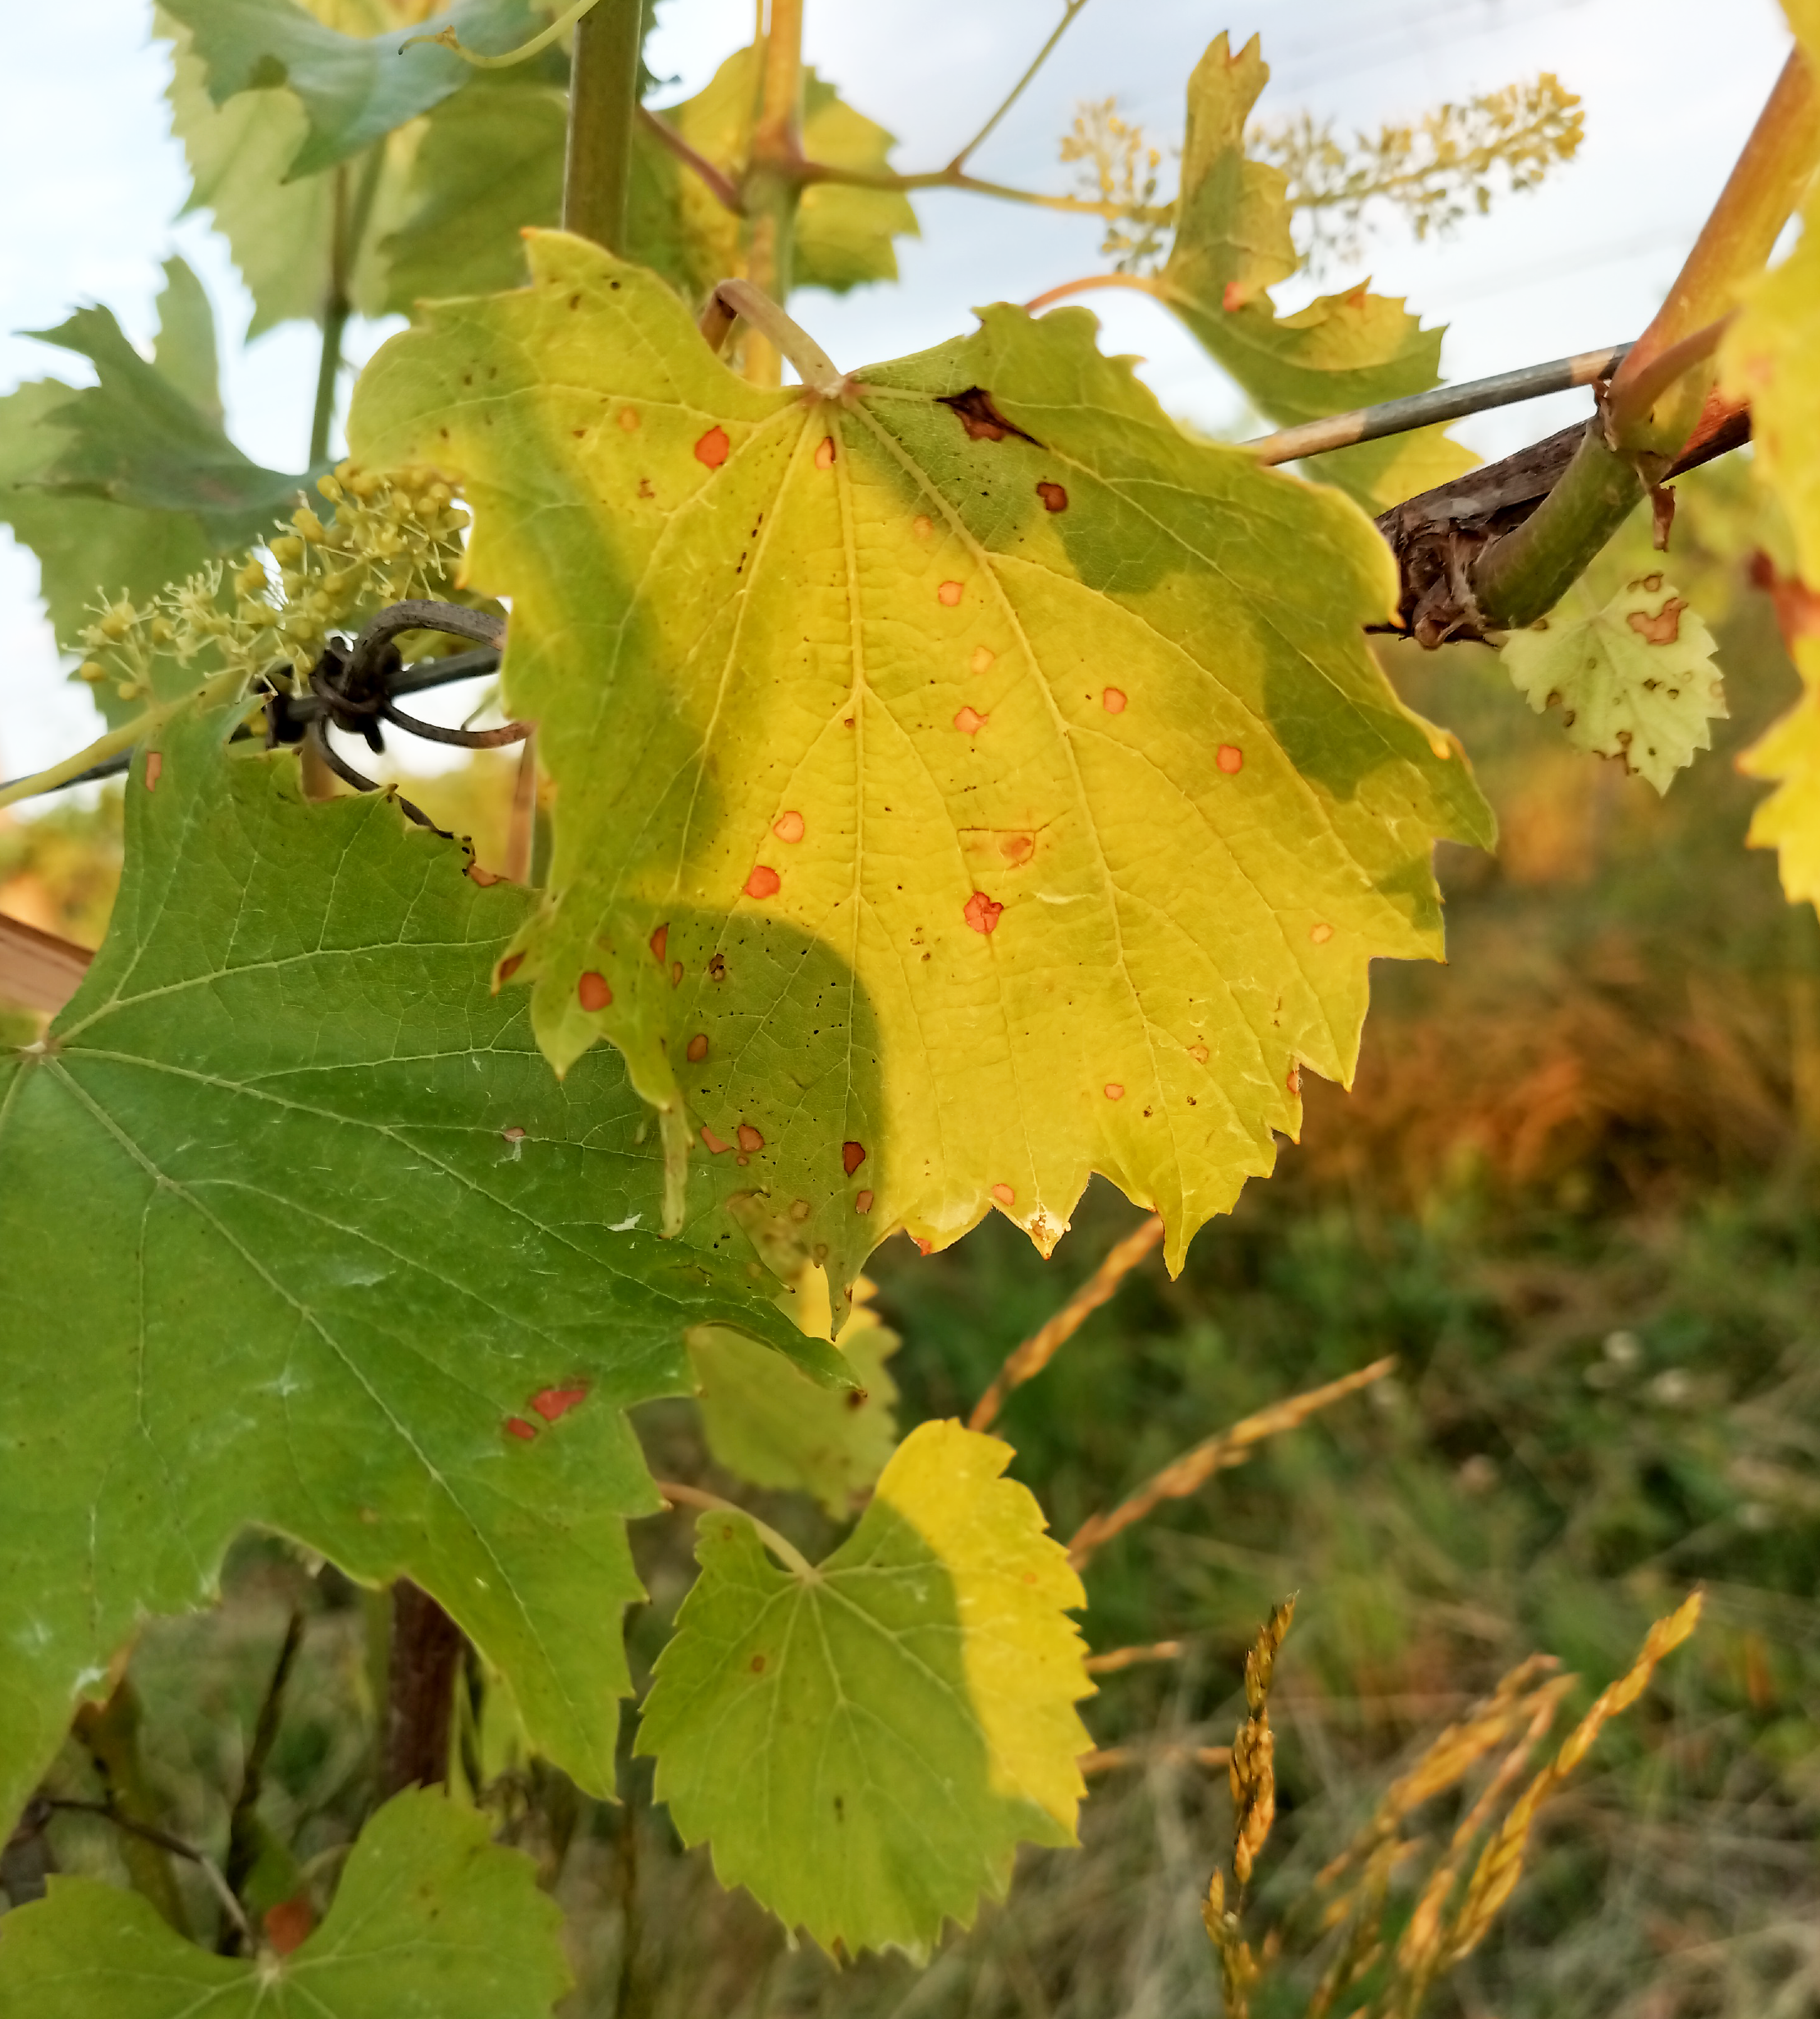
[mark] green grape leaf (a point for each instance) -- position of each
(1003, 775)
(184, 350)
(354, 89)
(1635, 680)
(302, 1235)
(84, 545)
(774, 1427)
(101, 482)
(864, 1743)
(280, 232)
(135, 439)
(1232, 243)
(676, 225)
(489, 163)
(430, 1917)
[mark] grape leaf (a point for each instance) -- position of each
(865, 1744)
(1767, 357)
(135, 439)
(149, 436)
(184, 349)
(676, 224)
(1789, 752)
(1051, 732)
(430, 1917)
(280, 233)
(301, 1234)
(354, 89)
(489, 163)
(1635, 680)
(773, 1426)
(1232, 243)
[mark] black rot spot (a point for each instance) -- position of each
(981, 419)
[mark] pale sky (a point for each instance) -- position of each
(94, 183)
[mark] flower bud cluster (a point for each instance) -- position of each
(391, 535)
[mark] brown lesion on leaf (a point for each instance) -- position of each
(1665, 626)
(981, 419)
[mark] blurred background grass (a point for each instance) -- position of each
(1573, 1191)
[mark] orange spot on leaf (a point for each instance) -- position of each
(714, 448)
(982, 913)
(824, 455)
(1232, 296)
(1017, 847)
(863, 1203)
(1112, 700)
(921, 527)
(510, 965)
(970, 721)
(629, 419)
(713, 1141)
(1115, 1091)
(789, 827)
(551, 1403)
(750, 1140)
(764, 882)
(1055, 498)
(923, 1247)
(513, 1135)
(758, 1664)
(676, 974)
(1293, 1082)
(1199, 1054)
(485, 877)
(949, 593)
(659, 940)
(982, 660)
(853, 1155)
(697, 1047)
(1230, 759)
(592, 992)
(1320, 935)
(1004, 1194)
(288, 1925)
(154, 767)
(516, 1427)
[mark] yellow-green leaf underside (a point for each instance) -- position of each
(964, 784)
(864, 1743)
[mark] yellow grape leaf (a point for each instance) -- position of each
(1346, 351)
(1789, 752)
(965, 781)
(1635, 680)
(1770, 357)
(792, 1433)
(865, 1742)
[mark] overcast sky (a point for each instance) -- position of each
(94, 183)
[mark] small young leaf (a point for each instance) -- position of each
(1635, 680)
(300, 1234)
(430, 1917)
(842, 236)
(771, 1425)
(354, 89)
(1346, 351)
(865, 1744)
(912, 700)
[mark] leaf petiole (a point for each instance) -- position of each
(785, 1551)
(447, 39)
